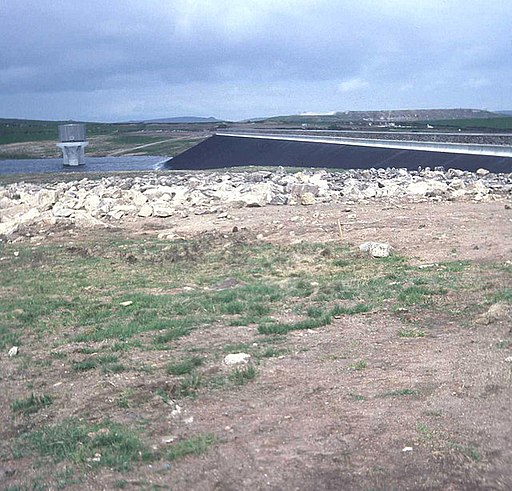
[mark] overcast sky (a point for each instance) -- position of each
(114, 60)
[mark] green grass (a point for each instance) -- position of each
(411, 332)
(503, 344)
(31, 404)
(241, 376)
(301, 278)
(359, 365)
(108, 364)
(81, 443)
(401, 393)
(501, 123)
(196, 445)
(271, 352)
(468, 450)
(185, 366)
(189, 385)
(502, 295)
(103, 137)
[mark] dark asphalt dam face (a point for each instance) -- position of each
(231, 151)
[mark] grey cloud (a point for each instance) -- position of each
(56, 45)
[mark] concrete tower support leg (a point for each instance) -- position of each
(73, 153)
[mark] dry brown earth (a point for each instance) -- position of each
(311, 419)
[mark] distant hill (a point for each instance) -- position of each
(181, 119)
(404, 116)
(506, 113)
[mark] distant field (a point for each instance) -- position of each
(37, 139)
(504, 123)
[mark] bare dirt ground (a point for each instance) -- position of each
(420, 413)
(424, 231)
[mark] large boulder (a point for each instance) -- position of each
(427, 188)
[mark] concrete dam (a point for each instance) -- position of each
(299, 150)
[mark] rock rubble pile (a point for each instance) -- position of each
(101, 202)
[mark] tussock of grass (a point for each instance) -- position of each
(184, 367)
(108, 363)
(282, 328)
(411, 332)
(192, 446)
(172, 334)
(468, 450)
(359, 365)
(401, 392)
(107, 444)
(241, 376)
(271, 352)
(503, 295)
(360, 308)
(31, 404)
(189, 385)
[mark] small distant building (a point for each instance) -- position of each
(73, 141)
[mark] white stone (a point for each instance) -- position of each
(162, 212)
(92, 203)
(119, 211)
(8, 228)
(136, 197)
(422, 188)
(157, 192)
(479, 187)
(83, 219)
(13, 351)
(5, 202)
(145, 211)
(376, 249)
(45, 199)
(482, 172)
(61, 211)
(237, 359)
(28, 217)
(307, 199)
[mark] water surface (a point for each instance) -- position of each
(92, 164)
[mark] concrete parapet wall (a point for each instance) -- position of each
(458, 148)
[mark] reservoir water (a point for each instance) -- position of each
(92, 164)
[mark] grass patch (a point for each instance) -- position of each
(196, 445)
(184, 367)
(107, 444)
(108, 364)
(468, 450)
(267, 278)
(503, 344)
(357, 397)
(31, 404)
(339, 310)
(503, 295)
(189, 385)
(359, 365)
(271, 352)
(241, 376)
(284, 328)
(401, 393)
(411, 332)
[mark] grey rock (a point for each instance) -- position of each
(162, 212)
(376, 249)
(482, 172)
(237, 359)
(145, 211)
